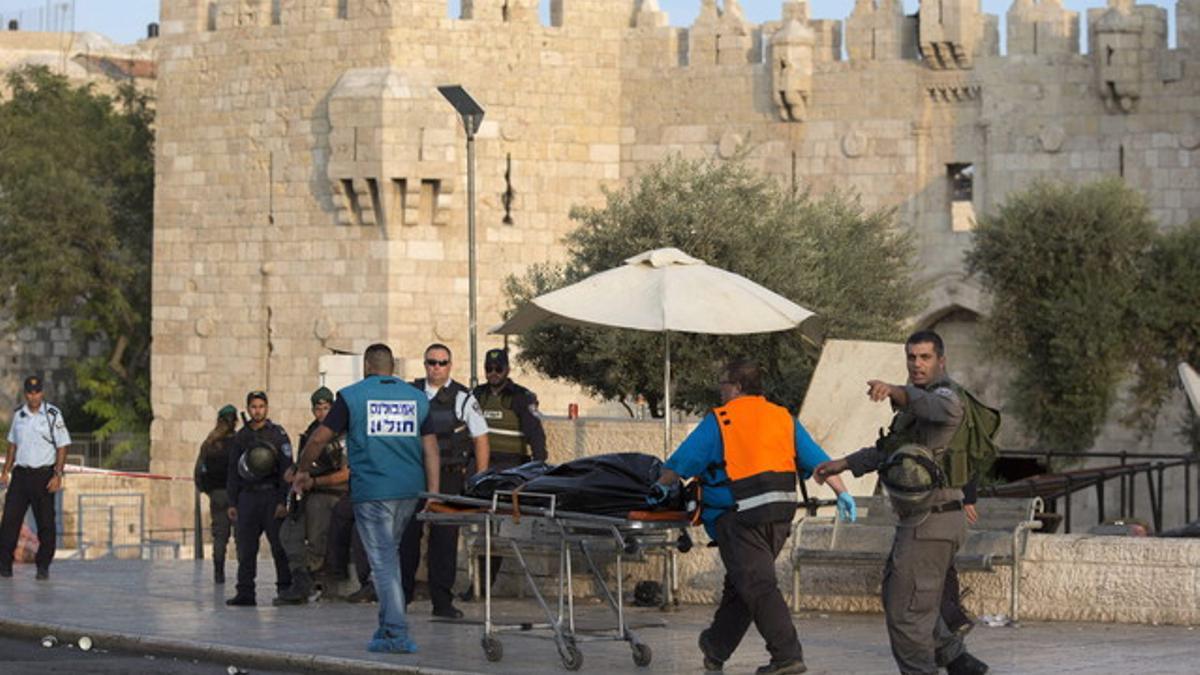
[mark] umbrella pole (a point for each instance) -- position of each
(667, 396)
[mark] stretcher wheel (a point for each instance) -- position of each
(684, 543)
(492, 649)
(572, 658)
(642, 654)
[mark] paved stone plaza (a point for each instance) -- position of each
(171, 607)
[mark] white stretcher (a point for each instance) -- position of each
(509, 521)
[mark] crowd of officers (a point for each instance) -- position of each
(746, 453)
(252, 486)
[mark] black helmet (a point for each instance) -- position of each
(258, 462)
(910, 475)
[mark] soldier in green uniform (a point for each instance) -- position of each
(210, 476)
(932, 524)
(305, 531)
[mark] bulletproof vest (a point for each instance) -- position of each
(214, 464)
(759, 441)
(504, 427)
(945, 445)
(446, 421)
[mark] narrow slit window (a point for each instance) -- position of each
(509, 196)
(276, 12)
(210, 21)
(962, 196)
(343, 9)
(962, 182)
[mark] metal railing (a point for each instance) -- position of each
(114, 523)
(103, 454)
(48, 17)
(1063, 486)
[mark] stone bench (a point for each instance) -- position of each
(995, 541)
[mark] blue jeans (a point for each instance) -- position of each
(380, 525)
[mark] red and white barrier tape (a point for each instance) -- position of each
(93, 471)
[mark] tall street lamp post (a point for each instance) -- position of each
(472, 116)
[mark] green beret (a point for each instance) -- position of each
(322, 394)
(227, 411)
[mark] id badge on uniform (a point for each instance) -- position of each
(391, 418)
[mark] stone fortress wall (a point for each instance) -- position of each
(311, 186)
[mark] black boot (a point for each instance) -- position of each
(218, 570)
(298, 592)
(365, 593)
(789, 667)
(711, 663)
(966, 664)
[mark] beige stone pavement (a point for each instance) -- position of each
(172, 607)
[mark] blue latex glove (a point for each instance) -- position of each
(847, 510)
(658, 494)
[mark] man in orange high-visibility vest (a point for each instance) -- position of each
(747, 454)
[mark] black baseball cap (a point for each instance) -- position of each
(496, 357)
(33, 383)
(256, 394)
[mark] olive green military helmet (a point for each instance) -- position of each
(910, 475)
(258, 462)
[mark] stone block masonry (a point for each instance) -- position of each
(311, 191)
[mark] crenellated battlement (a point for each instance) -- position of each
(945, 35)
(208, 16)
(1042, 27)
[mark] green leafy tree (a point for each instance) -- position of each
(827, 254)
(76, 214)
(1064, 265)
(1166, 326)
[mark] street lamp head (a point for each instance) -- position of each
(470, 110)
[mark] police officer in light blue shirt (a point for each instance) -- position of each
(33, 472)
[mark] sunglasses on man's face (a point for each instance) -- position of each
(494, 369)
(434, 362)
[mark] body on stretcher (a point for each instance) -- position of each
(512, 526)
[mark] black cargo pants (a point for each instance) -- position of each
(751, 593)
(255, 517)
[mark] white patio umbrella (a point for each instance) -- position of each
(1191, 384)
(665, 291)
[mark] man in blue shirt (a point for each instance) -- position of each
(37, 450)
(393, 457)
(747, 454)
